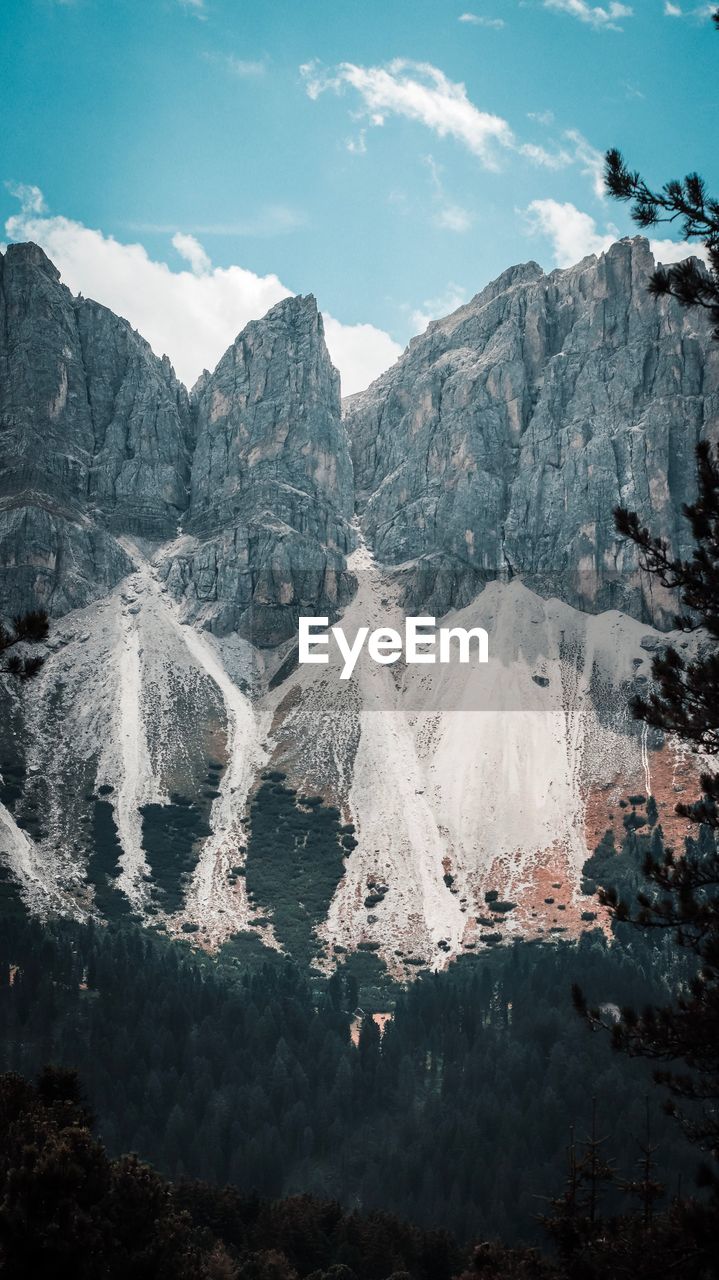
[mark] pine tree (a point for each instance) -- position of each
(645, 1187)
(686, 202)
(683, 892)
(575, 1220)
(27, 629)
(686, 699)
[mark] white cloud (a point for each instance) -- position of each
(592, 161)
(192, 251)
(668, 251)
(421, 92)
(435, 308)
(453, 218)
(574, 235)
(192, 315)
(699, 12)
(598, 16)
(361, 352)
(477, 20)
(31, 198)
(548, 159)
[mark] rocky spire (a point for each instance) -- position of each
(272, 490)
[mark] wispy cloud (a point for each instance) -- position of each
(399, 200)
(30, 197)
(416, 91)
(435, 308)
(478, 20)
(604, 17)
(243, 68)
(453, 217)
(272, 220)
(357, 145)
(449, 216)
(421, 92)
(589, 158)
(700, 12)
(192, 251)
(197, 8)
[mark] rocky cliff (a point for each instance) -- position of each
(99, 438)
(96, 437)
(502, 440)
(271, 496)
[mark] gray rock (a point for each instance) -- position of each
(95, 433)
(272, 492)
(497, 446)
(504, 437)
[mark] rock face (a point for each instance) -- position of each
(502, 440)
(95, 434)
(99, 439)
(172, 761)
(497, 446)
(272, 494)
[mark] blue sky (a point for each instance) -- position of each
(390, 156)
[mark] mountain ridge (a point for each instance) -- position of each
(173, 762)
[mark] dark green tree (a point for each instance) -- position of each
(682, 893)
(69, 1211)
(682, 201)
(27, 629)
(575, 1220)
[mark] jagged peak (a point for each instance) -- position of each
(27, 253)
(293, 314)
(522, 273)
(635, 251)
(632, 254)
(294, 310)
(197, 388)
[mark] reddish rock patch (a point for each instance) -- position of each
(673, 777)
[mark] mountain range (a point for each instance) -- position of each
(173, 762)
